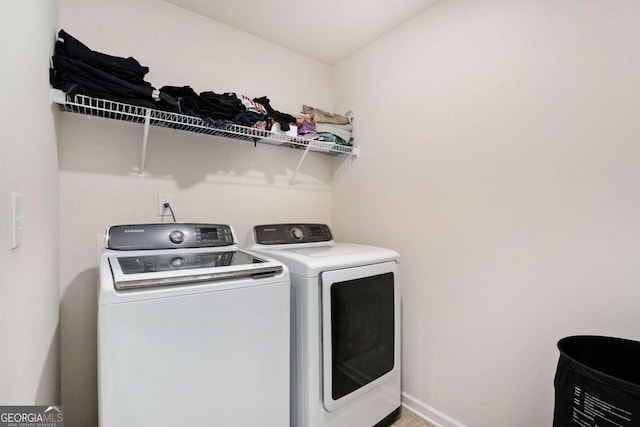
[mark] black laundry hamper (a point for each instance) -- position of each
(597, 382)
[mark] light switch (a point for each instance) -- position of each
(17, 220)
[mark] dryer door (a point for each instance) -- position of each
(360, 330)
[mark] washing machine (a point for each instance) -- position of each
(345, 329)
(191, 330)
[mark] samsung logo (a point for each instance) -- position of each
(134, 230)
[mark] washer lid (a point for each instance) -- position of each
(311, 260)
(162, 268)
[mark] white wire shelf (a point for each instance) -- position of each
(97, 107)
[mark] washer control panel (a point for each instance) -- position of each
(283, 234)
(168, 236)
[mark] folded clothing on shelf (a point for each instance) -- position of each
(306, 127)
(321, 116)
(250, 118)
(80, 70)
(206, 105)
(318, 124)
(330, 137)
(341, 131)
(283, 119)
(252, 105)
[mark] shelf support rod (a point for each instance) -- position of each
(145, 141)
(341, 170)
(295, 172)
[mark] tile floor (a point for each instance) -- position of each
(409, 419)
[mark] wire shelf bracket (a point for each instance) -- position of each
(341, 170)
(145, 142)
(97, 107)
(292, 180)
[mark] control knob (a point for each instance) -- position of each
(176, 236)
(177, 262)
(296, 233)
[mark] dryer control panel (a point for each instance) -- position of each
(284, 234)
(168, 236)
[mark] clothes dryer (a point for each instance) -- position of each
(345, 325)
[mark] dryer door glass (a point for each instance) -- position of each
(362, 327)
(360, 333)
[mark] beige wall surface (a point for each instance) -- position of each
(211, 179)
(499, 148)
(29, 298)
(500, 158)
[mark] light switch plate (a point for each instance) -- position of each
(17, 220)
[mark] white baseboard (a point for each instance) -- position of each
(430, 414)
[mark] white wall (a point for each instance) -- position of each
(211, 180)
(500, 158)
(29, 299)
